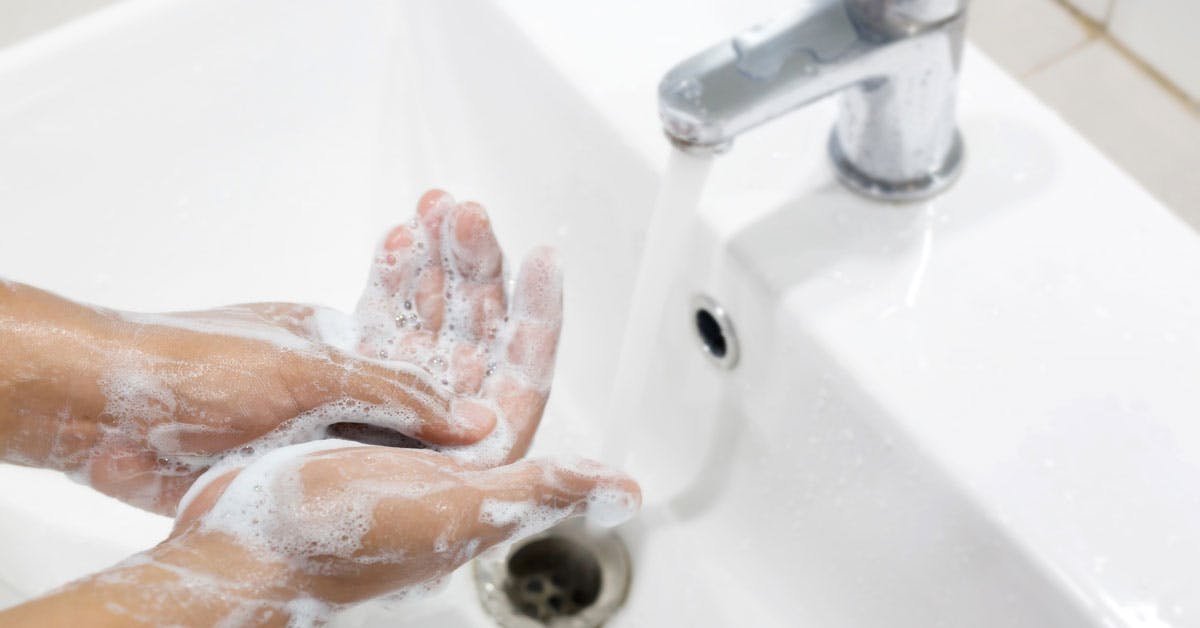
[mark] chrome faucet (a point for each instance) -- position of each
(895, 62)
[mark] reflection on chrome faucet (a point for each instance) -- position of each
(895, 63)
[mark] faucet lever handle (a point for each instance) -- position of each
(821, 31)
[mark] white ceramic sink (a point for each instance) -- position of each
(975, 411)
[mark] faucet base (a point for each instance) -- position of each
(908, 191)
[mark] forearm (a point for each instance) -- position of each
(168, 585)
(49, 347)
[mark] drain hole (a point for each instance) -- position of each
(553, 577)
(715, 330)
(567, 576)
(710, 332)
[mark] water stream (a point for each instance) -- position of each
(662, 251)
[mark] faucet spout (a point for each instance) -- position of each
(894, 61)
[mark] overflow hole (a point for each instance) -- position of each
(715, 331)
(710, 333)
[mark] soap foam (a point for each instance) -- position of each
(260, 505)
(267, 510)
(155, 405)
(610, 506)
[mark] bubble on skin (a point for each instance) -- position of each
(259, 506)
(610, 506)
(306, 611)
(493, 449)
(345, 332)
(224, 322)
(190, 592)
(337, 329)
(607, 504)
(310, 426)
(542, 286)
(526, 517)
(141, 408)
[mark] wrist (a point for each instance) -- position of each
(223, 580)
(50, 349)
(163, 586)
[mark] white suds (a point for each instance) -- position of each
(481, 357)
(610, 506)
(337, 329)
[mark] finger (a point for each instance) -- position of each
(530, 496)
(380, 312)
(402, 398)
(468, 367)
(429, 506)
(520, 383)
(536, 319)
(479, 305)
(429, 295)
(396, 262)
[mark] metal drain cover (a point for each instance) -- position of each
(566, 577)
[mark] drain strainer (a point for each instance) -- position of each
(566, 577)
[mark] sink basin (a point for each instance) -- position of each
(977, 410)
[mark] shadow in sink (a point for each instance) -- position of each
(707, 487)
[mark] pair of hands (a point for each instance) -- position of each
(285, 525)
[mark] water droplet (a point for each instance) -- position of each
(688, 89)
(408, 304)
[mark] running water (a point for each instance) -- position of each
(662, 250)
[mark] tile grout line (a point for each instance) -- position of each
(1099, 31)
(1052, 61)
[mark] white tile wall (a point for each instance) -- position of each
(1166, 33)
(1147, 130)
(1095, 9)
(1024, 35)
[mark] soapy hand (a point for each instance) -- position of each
(138, 406)
(312, 528)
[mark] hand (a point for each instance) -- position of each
(311, 528)
(139, 406)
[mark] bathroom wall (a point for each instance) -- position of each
(1125, 73)
(1095, 9)
(1090, 61)
(1160, 32)
(20, 19)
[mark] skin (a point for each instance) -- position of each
(209, 384)
(200, 577)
